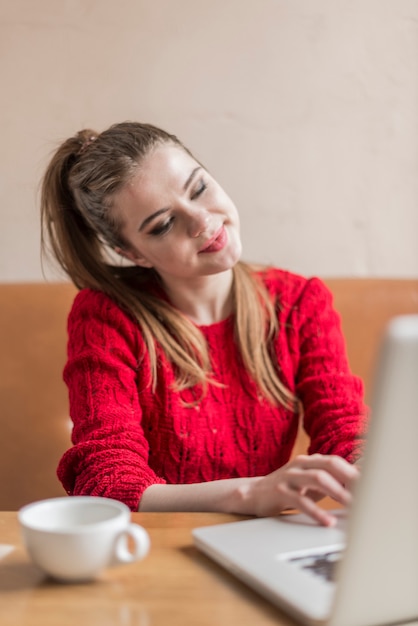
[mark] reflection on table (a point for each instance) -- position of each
(175, 585)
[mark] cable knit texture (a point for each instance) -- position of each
(127, 438)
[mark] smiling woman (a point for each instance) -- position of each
(188, 370)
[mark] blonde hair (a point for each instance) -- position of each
(78, 228)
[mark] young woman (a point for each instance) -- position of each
(188, 370)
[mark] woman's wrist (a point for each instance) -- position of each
(243, 500)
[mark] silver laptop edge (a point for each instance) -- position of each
(385, 514)
(378, 577)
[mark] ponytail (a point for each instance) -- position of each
(71, 239)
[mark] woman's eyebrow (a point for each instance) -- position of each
(149, 219)
(192, 175)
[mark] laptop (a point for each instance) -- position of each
(364, 570)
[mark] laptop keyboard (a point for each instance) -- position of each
(323, 565)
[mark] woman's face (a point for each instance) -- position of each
(176, 218)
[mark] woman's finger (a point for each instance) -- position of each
(322, 516)
(346, 473)
(306, 505)
(319, 480)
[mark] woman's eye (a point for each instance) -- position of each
(162, 229)
(200, 189)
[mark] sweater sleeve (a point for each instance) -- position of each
(332, 397)
(110, 453)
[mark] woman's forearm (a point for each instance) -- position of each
(296, 485)
(222, 496)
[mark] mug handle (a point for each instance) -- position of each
(141, 545)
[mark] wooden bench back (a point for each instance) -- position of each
(34, 422)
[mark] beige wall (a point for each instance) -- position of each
(305, 110)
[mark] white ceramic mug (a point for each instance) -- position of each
(74, 538)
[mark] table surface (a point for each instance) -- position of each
(174, 585)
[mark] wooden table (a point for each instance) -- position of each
(174, 586)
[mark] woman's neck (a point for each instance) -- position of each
(205, 301)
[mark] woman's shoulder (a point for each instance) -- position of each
(96, 322)
(92, 299)
(281, 281)
(289, 288)
(93, 305)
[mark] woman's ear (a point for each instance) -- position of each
(134, 257)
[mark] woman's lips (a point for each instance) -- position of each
(217, 242)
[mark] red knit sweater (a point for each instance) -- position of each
(126, 438)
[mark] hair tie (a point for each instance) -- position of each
(86, 143)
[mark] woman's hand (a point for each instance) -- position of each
(299, 484)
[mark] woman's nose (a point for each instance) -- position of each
(199, 222)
